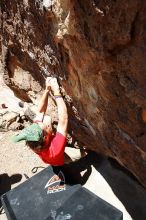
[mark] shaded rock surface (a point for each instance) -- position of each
(97, 50)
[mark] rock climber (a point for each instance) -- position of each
(39, 136)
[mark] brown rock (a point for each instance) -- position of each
(8, 118)
(98, 50)
(15, 126)
(144, 115)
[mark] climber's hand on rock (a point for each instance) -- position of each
(54, 86)
(48, 86)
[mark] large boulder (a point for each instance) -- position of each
(97, 50)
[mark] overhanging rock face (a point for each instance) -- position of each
(97, 49)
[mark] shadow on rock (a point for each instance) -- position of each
(7, 181)
(126, 188)
(124, 185)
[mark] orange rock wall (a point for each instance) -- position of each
(97, 50)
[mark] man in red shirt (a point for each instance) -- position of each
(39, 136)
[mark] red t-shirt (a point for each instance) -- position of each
(54, 152)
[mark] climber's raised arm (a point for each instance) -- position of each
(43, 103)
(39, 136)
(61, 106)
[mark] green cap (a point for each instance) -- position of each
(31, 133)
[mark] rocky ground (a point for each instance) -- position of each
(104, 177)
